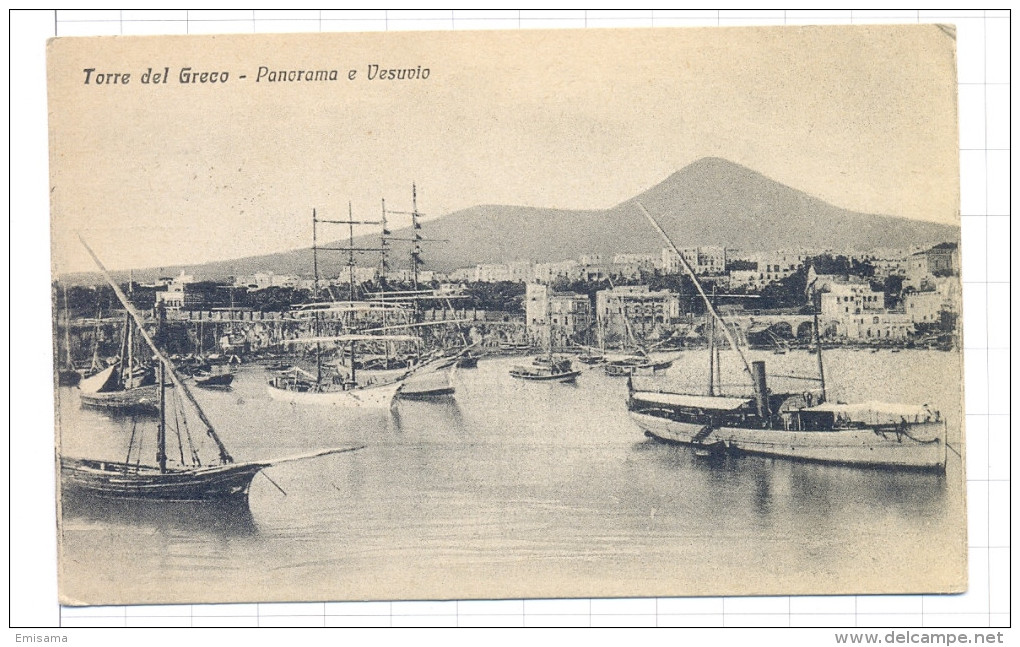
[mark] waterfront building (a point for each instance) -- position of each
(635, 306)
(839, 298)
(553, 318)
(923, 307)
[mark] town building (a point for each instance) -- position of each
(938, 261)
(852, 310)
(569, 270)
(635, 310)
(172, 299)
(843, 298)
(923, 307)
(645, 262)
(765, 268)
(703, 260)
(556, 319)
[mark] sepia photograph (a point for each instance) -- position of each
(507, 314)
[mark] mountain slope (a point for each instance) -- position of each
(709, 202)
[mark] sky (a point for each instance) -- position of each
(863, 117)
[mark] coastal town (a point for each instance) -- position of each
(892, 297)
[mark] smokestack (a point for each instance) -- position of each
(761, 394)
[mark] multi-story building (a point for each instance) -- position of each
(703, 260)
(923, 307)
(768, 267)
(858, 312)
(636, 310)
(841, 298)
(517, 272)
(875, 325)
(939, 261)
(548, 272)
(642, 262)
(556, 318)
(361, 275)
(944, 259)
(173, 297)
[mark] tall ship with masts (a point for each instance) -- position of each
(192, 478)
(805, 425)
(371, 363)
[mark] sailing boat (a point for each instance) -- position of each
(802, 426)
(547, 368)
(219, 480)
(639, 363)
(302, 387)
(343, 388)
(125, 386)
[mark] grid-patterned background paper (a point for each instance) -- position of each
(984, 84)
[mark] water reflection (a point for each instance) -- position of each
(222, 520)
(515, 476)
(811, 489)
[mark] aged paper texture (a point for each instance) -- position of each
(600, 313)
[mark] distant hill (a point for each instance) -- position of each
(709, 202)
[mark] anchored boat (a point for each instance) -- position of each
(793, 425)
(547, 369)
(192, 478)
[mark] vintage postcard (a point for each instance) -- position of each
(530, 314)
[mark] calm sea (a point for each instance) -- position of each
(513, 489)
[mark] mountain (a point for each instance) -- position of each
(709, 202)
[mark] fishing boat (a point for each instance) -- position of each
(547, 369)
(640, 363)
(192, 478)
(214, 380)
(636, 365)
(805, 425)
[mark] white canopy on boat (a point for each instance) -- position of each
(879, 412)
(716, 402)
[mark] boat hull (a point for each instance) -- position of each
(112, 480)
(860, 447)
(558, 377)
(373, 397)
(427, 385)
(220, 381)
(142, 399)
(426, 393)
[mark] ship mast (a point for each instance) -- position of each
(225, 456)
(708, 302)
(384, 265)
(67, 328)
(161, 430)
(415, 237)
(818, 347)
(711, 352)
(315, 257)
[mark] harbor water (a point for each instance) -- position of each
(512, 489)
